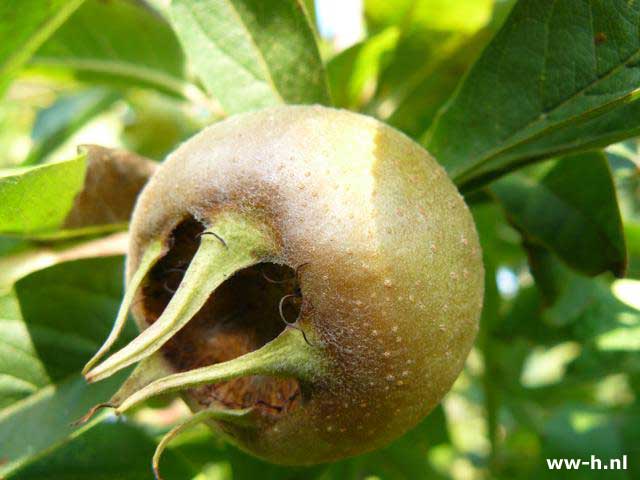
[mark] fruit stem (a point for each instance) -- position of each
(235, 416)
(149, 259)
(288, 355)
(233, 242)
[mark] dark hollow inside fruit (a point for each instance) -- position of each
(240, 316)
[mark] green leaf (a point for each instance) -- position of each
(581, 135)
(24, 26)
(580, 223)
(564, 293)
(93, 193)
(251, 53)
(38, 199)
(109, 451)
(51, 323)
(586, 304)
(119, 42)
(554, 67)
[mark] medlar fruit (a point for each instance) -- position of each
(309, 279)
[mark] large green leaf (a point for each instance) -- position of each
(572, 210)
(109, 451)
(251, 53)
(51, 322)
(591, 133)
(119, 41)
(24, 26)
(551, 70)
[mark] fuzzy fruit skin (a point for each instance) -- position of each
(394, 269)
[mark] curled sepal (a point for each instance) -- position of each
(288, 355)
(231, 244)
(151, 255)
(239, 417)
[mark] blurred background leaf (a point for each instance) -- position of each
(438, 41)
(582, 225)
(56, 123)
(353, 73)
(24, 26)
(51, 322)
(119, 42)
(109, 451)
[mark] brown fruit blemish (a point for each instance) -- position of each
(600, 38)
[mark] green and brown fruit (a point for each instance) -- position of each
(359, 230)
